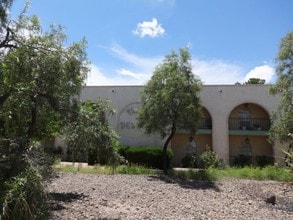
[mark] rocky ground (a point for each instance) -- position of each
(88, 196)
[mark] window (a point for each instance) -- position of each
(244, 118)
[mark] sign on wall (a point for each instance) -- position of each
(130, 134)
(127, 117)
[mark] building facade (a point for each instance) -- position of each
(236, 119)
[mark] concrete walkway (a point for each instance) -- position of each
(78, 164)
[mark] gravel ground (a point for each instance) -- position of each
(88, 196)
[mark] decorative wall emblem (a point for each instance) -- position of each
(127, 117)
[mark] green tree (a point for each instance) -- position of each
(38, 80)
(7, 27)
(39, 77)
(88, 135)
(255, 81)
(282, 118)
(170, 100)
(4, 7)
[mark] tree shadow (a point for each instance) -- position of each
(198, 180)
(58, 199)
(284, 203)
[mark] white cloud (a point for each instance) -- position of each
(144, 64)
(97, 78)
(137, 70)
(263, 72)
(216, 71)
(149, 28)
(138, 76)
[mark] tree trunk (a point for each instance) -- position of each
(165, 167)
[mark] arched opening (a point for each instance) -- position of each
(248, 140)
(202, 138)
(249, 116)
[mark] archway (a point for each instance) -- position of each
(248, 140)
(202, 137)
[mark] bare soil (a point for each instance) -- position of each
(89, 196)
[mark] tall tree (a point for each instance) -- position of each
(38, 80)
(39, 77)
(89, 137)
(282, 118)
(170, 100)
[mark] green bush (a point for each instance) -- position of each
(96, 155)
(82, 156)
(189, 161)
(242, 161)
(263, 161)
(209, 158)
(11, 158)
(23, 168)
(289, 157)
(122, 150)
(145, 156)
(92, 157)
(25, 197)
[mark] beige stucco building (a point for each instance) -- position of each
(231, 114)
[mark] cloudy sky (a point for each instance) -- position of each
(230, 41)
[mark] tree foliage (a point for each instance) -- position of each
(38, 80)
(255, 81)
(4, 7)
(88, 135)
(39, 77)
(170, 100)
(282, 118)
(282, 124)
(6, 26)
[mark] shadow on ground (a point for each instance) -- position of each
(58, 199)
(199, 183)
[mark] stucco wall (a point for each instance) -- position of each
(180, 141)
(219, 100)
(125, 100)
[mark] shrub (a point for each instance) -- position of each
(106, 155)
(25, 197)
(92, 156)
(122, 150)
(189, 161)
(11, 158)
(76, 155)
(242, 161)
(23, 168)
(263, 161)
(289, 157)
(146, 156)
(209, 158)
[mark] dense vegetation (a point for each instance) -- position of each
(282, 119)
(146, 156)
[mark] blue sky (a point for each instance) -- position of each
(230, 40)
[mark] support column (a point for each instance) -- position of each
(221, 137)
